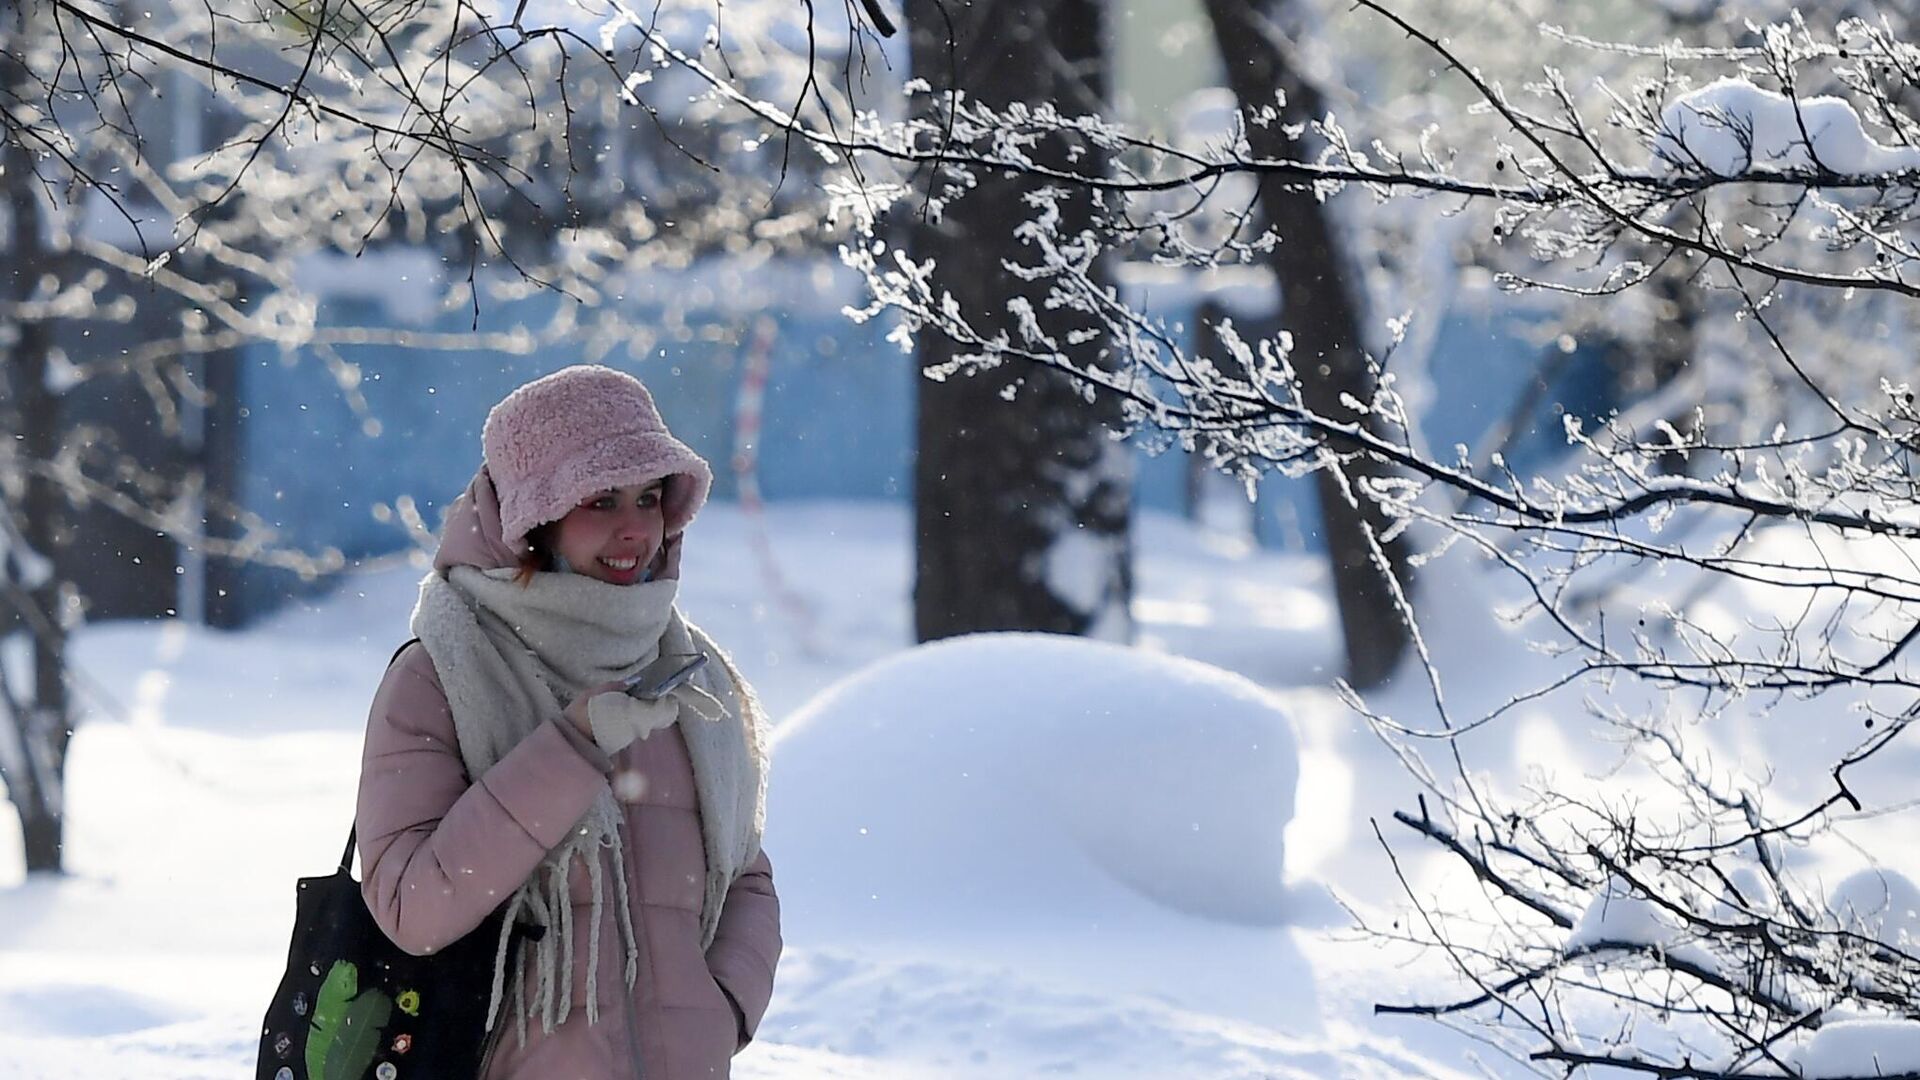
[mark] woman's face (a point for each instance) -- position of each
(614, 535)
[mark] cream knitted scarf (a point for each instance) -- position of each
(511, 657)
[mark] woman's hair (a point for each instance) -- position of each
(539, 554)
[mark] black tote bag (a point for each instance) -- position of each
(354, 1006)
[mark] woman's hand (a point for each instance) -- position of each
(612, 718)
(576, 713)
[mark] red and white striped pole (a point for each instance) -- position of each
(746, 473)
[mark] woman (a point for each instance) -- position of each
(504, 764)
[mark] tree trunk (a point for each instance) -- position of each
(47, 721)
(1020, 506)
(1319, 307)
(39, 717)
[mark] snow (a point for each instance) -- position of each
(1618, 915)
(1096, 799)
(1751, 894)
(1880, 904)
(214, 768)
(1733, 128)
(1080, 569)
(1858, 1048)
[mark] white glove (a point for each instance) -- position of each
(617, 719)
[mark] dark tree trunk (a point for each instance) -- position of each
(1021, 506)
(47, 721)
(1319, 307)
(39, 714)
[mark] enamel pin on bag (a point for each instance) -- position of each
(354, 1006)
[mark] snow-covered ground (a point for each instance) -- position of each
(1131, 890)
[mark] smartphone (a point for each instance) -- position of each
(661, 677)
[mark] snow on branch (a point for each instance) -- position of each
(1732, 128)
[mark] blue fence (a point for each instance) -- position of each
(837, 419)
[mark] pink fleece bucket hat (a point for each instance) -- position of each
(581, 430)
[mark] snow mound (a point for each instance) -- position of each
(1852, 1048)
(1732, 128)
(1619, 916)
(1880, 904)
(1047, 801)
(1751, 891)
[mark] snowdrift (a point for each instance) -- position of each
(1062, 807)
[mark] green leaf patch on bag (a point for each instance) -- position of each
(346, 1025)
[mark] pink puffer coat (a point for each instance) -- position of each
(439, 850)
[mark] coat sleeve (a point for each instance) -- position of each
(746, 946)
(439, 852)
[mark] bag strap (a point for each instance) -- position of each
(404, 646)
(353, 831)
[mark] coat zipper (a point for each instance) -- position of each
(643, 962)
(493, 1043)
(633, 1037)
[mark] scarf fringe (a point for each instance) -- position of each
(595, 878)
(563, 908)
(632, 941)
(520, 1003)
